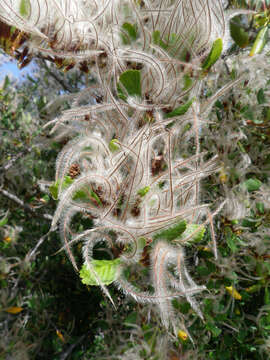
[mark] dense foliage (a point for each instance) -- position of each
(182, 140)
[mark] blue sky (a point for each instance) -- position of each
(12, 68)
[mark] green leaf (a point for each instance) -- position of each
(187, 82)
(254, 288)
(248, 223)
(241, 147)
(259, 42)
(213, 328)
(231, 243)
(168, 44)
(261, 19)
(173, 232)
(107, 271)
(54, 188)
(131, 319)
(190, 230)
(3, 221)
(25, 8)
(267, 266)
(131, 31)
(87, 195)
(261, 97)
(45, 198)
(113, 145)
(158, 41)
(239, 35)
(142, 192)
(141, 243)
(6, 83)
(260, 207)
(12, 29)
(203, 270)
(231, 239)
(131, 80)
(94, 196)
(181, 110)
(79, 195)
(213, 55)
(252, 184)
(266, 113)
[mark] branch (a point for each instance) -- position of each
(13, 160)
(33, 252)
(69, 350)
(26, 207)
(65, 86)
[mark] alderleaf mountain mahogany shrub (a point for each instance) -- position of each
(134, 164)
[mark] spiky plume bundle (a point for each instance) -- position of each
(136, 128)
